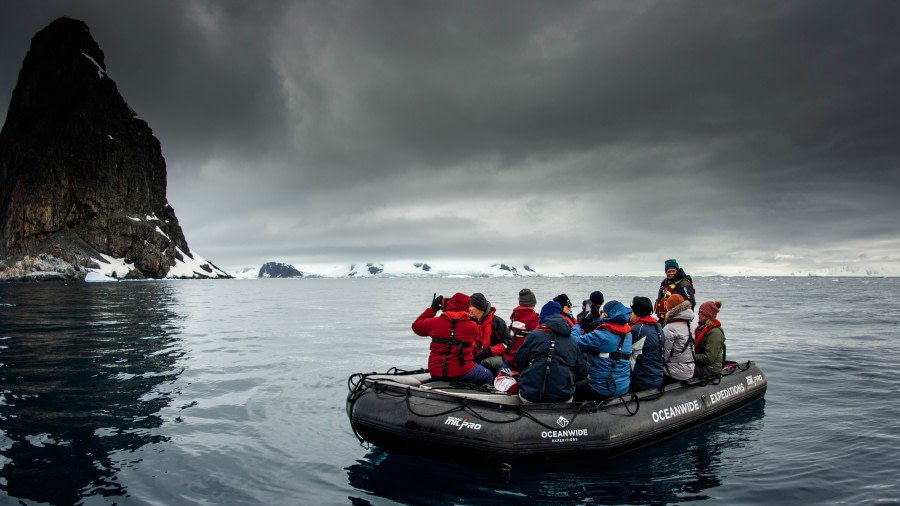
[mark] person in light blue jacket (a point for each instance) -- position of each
(608, 348)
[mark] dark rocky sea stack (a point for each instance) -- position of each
(80, 173)
(279, 270)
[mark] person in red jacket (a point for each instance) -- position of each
(522, 321)
(494, 339)
(453, 336)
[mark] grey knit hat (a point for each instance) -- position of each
(479, 301)
(527, 298)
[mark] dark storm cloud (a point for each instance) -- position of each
(754, 137)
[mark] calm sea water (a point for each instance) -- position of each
(232, 392)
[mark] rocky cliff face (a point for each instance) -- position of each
(80, 173)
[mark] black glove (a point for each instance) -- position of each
(584, 320)
(483, 354)
(436, 302)
(595, 311)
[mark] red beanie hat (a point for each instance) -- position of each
(709, 310)
(673, 301)
(459, 302)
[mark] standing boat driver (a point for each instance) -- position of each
(676, 282)
(494, 339)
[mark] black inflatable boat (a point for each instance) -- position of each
(407, 412)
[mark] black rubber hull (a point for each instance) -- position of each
(440, 423)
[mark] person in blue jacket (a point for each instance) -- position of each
(648, 358)
(608, 348)
(551, 360)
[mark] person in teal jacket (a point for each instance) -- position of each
(608, 348)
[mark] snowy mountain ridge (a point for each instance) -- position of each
(398, 269)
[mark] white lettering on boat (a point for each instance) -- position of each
(675, 411)
(564, 436)
(462, 423)
(752, 380)
(721, 395)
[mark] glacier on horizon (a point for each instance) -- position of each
(405, 269)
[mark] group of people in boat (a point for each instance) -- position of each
(605, 351)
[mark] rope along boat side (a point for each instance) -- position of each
(408, 412)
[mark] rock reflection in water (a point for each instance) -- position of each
(680, 469)
(83, 374)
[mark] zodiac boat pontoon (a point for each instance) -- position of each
(408, 412)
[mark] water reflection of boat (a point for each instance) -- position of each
(406, 412)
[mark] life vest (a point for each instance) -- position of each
(549, 356)
(700, 334)
(658, 347)
(621, 330)
(452, 343)
(667, 289)
(687, 342)
(569, 318)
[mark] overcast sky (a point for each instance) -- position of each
(754, 137)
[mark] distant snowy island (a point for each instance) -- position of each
(391, 270)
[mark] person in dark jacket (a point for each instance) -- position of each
(551, 360)
(566, 304)
(608, 347)
(709, 340)
(453, 335)
(647, 364)
(494, 339)
(522, 321)
(590, 311)
(676, 282)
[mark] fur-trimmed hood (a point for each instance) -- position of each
(682, 311)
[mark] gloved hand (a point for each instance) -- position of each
(583, 321)
(436, 302)
(483, 354)
(595, 311)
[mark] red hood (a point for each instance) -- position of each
(455, 315)
(459, 302)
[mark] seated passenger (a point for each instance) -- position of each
(550, 359)
(453, 336)
(590, 311)
(608, 347)
(679, 350)
(647, 364)
(494, 339)
(566, 304)
(709, 340)
(522, 321)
